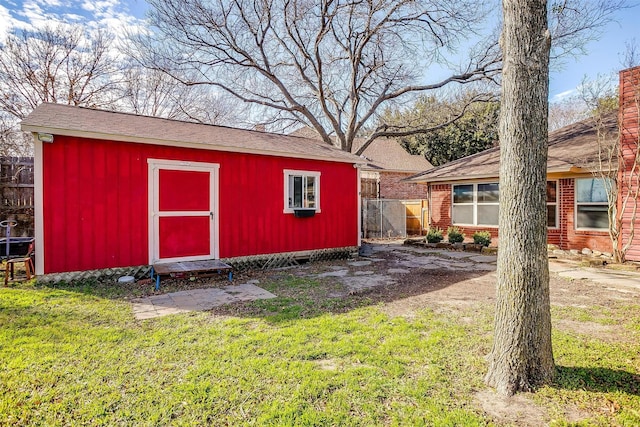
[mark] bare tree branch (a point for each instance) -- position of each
(334, 64)
(55, 64)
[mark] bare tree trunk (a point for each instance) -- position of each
(522, 356)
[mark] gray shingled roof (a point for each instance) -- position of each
(388, 154)
(573, 148)
(58, 119)
(381, 154)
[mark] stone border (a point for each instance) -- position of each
(466, 247)
(586, 257)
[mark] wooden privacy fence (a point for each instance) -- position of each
(16, 189)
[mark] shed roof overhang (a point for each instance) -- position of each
(57, 119)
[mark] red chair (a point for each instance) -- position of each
(28, 265)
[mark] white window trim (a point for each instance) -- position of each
(289, 172)
(557, 203)
(575, 207)
(475, 204)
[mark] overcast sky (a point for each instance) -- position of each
(605, 57)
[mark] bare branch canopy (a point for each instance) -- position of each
(333, 65)
(330, 65)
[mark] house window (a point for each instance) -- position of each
(301, 190)
(552, 204)
(592, 204)
(475, 204)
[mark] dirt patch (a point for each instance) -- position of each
(519, 409)
(434, 280)
(606, 333)
(402, 292)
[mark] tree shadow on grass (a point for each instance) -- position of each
(307, 297)
(110, 288)
(601, 380)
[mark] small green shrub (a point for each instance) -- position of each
(482, 238)
(434, 235)
(454, 235)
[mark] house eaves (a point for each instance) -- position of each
(573, 150)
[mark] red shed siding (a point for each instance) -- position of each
(629, 173)
(392, 187)
(95, 203)
(565, 236)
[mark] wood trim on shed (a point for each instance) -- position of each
(154, 166)
(38, 201)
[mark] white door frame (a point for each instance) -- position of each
(155, 165)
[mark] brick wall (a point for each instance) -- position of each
(565, 236)
(440, 206)
(440, 213)
(392, 187)
(570, 238)
(629, 177)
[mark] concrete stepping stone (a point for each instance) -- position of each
(338, 273)
(383, 248)
(358, 283)
(484, 267)
(196, 300)
(460, 254)
(359, 263)
(398, 271)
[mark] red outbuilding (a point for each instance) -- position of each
(121, 190)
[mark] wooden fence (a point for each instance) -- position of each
(16, 190)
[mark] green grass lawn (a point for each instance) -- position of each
(73, 357)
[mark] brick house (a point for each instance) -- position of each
(386, 169)
(388, 165)
(465, 192)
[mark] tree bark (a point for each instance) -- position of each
(522, 356)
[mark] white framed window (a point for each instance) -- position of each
(301, 190)
(475, 204)
(478, 204)
(592, 204)
(552, 204)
